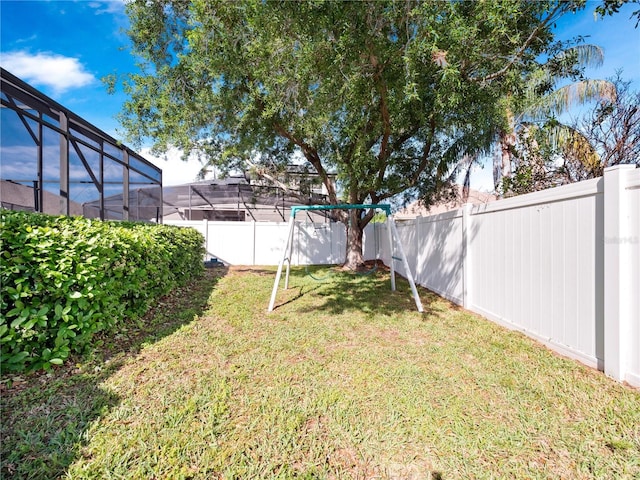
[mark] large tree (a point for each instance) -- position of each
(388, 95)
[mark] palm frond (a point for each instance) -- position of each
(568, 96)
(571, 142)
(587, 55)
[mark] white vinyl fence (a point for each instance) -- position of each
(261, 243)
(562, 265)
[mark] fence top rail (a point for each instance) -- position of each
(572, 191)
(633, 179)
(343, 206)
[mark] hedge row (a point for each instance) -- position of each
(63, 279)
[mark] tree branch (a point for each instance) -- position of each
(424, 161)
(384, 114)
(312, 156)
(261, 171)
(558, 10)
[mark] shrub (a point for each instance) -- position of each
(62, 279)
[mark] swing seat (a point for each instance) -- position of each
(317, 279)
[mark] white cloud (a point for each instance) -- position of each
(175, 171)
(109, 7)
(28, 39)
(57, 72)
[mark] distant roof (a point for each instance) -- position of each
(417, 209)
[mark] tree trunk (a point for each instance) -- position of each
(507, 140)
(354, 258)
(507, 144)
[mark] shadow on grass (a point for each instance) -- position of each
(344, 291)
(46, 416)
(302, 291)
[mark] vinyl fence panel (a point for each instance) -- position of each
(632, 244)
(432, 245)
(535, 262)
(561, 265)
(268, 242)
(315, 244)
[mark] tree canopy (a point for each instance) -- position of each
(388, 95)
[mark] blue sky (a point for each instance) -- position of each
(64, 48)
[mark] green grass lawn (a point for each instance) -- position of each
(345, 379)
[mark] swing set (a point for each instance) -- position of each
(392, 233)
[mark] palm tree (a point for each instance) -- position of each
(543, 100)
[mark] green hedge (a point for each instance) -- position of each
(63, 279)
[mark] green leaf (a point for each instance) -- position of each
(28, 325)
(18, 357)
(18, 321)
(75, 295)
(13, 312)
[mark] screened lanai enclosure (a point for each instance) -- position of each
(237, 199)
(53, 161)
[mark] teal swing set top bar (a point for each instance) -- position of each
(392, 231)
(345, 206)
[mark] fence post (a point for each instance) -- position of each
(254, 243)
(205, 224)
(466, 256)
(617, 278)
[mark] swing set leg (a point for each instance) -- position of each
(286, 256)
(405, 263)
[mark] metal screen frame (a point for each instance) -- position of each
(36, 112)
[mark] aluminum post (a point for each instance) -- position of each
(391, 259)
(290, 252)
